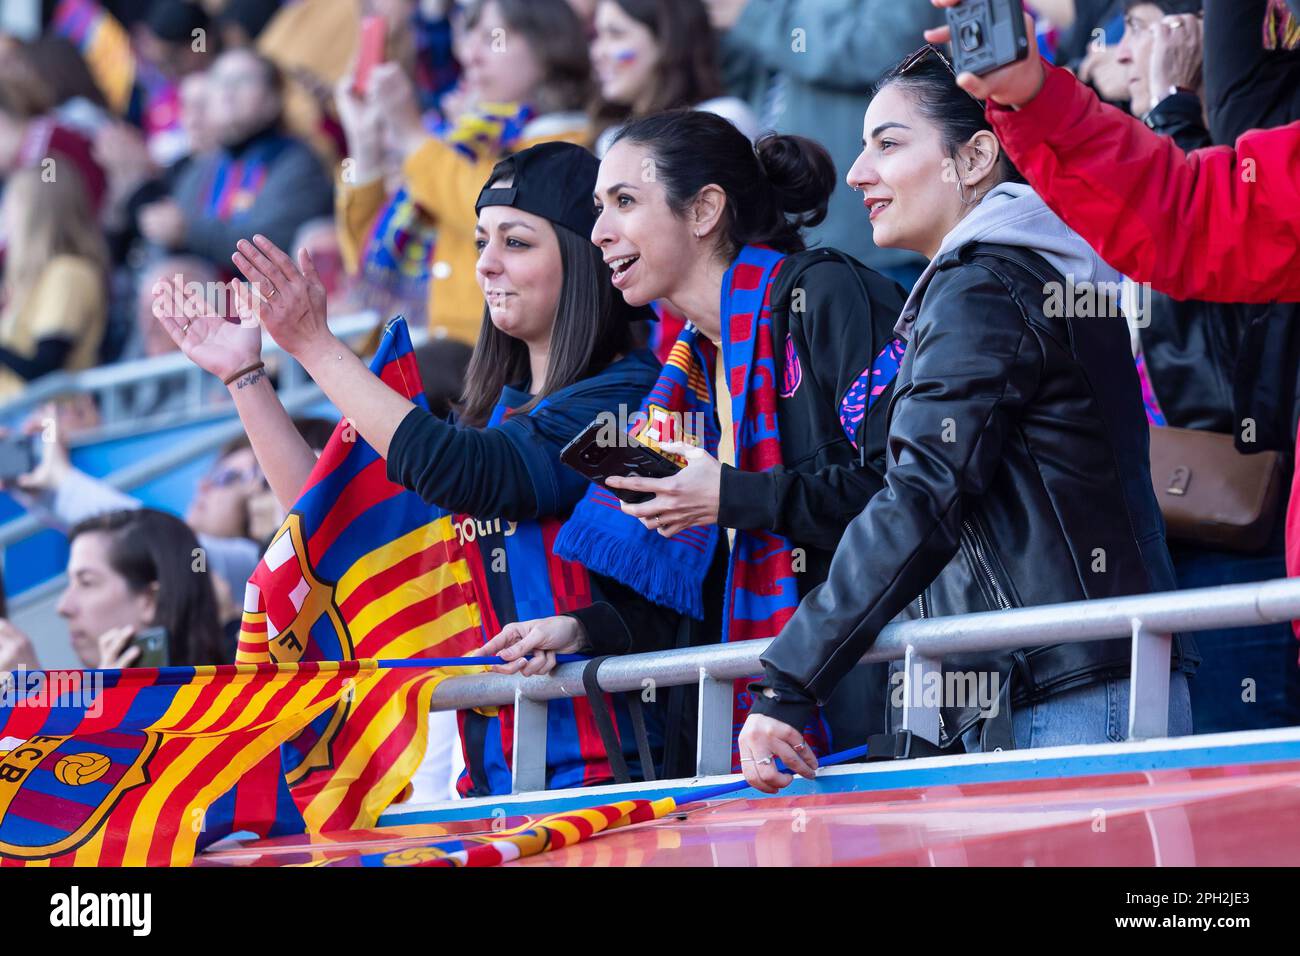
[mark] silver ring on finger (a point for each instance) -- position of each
(801, 747)
(272, 294)
(763, 760)
(186, 327)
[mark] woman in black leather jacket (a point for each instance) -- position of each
(1017, 456)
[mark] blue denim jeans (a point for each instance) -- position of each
(1095, 714)
(1249, 677)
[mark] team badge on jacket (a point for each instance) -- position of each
(791, 370)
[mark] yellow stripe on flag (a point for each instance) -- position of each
(391, 553)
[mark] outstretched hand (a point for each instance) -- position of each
(214, 343)
(288, 298)
(1012, 85)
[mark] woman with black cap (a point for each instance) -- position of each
(554, 351)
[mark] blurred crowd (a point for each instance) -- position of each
(141, 140)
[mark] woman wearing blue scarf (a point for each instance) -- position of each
(554, 351)
(774, 387)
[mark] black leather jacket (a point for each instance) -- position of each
(1018, 474)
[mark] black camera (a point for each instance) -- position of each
(987, 34)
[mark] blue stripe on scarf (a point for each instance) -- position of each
(671, 571)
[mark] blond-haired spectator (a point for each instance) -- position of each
(52, 312)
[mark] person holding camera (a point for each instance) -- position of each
(1217, 224)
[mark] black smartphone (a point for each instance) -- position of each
(17, 456)
(987, 34)
(152, 642)
(591, 455)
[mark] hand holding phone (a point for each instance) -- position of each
(595, 457)
(152, 642)
(374, 34)
(18, 456)
(987, 34)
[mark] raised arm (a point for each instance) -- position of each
(225, 348)
(1217, 224)
(486, 472)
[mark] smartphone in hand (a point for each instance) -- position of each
(374, 34)
(18, 456)
(152, 642)
(593, 456)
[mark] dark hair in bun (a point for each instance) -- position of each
(774, 189)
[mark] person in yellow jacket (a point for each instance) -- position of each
(526, 76)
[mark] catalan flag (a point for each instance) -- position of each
(362, 568)
(143, 766)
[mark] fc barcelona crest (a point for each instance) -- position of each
(56, 792)
(301, 611)
(300, 606)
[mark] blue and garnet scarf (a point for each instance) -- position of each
(761, 592)
(397, 259)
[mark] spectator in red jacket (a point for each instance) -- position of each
(1218, 223)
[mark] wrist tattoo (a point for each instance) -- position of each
(252, 378)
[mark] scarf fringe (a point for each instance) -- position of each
(666, 582)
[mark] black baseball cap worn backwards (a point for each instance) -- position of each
(551, 180)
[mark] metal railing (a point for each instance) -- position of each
(1150, 619)
(127, 393)
(205, 399)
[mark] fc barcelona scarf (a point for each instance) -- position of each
(761, 593)
(517, 576)
(398, 255)
(237, 180)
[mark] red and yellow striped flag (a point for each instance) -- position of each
(362, 568)
(139, 767)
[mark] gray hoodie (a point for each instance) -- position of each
(1012, 214)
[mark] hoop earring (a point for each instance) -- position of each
(961, 194)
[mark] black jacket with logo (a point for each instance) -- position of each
(1018, 475)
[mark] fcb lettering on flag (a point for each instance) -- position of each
(360, 569)
(144, 766)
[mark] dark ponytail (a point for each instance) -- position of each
(958, 115)
(774, 189)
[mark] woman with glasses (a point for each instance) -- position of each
(1017, 466)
